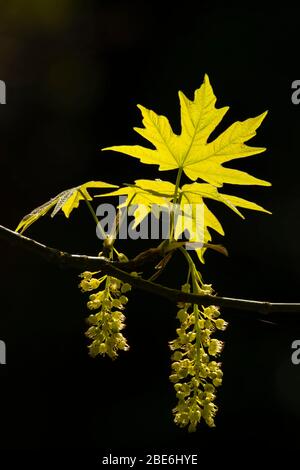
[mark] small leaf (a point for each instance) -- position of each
(240, 202)
(66, 201)
(36, 213)
(219, 248)
(62, 199)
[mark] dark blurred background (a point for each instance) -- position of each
(74, 72)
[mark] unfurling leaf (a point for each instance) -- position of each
(66, 201)
(190, 151)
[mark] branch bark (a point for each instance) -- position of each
(120, 271)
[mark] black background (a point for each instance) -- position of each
(74, 72)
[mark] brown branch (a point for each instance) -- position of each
(120, 271)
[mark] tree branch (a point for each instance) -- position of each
(120, 271)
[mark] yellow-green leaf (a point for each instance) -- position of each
(193, 194)
(66, 201)
(190, 151)
(147, 195)
(240, 202)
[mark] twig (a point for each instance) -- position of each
(120, 271)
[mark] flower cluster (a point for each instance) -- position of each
(195, 372)
(108, 322)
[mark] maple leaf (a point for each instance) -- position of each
(190, 151)
(66, 201)
(145, 196)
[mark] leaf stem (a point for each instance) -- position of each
(177, 184)
(90, 207)
(96, 220)
(121, 219)
(196, 314)
(175, 201)
(192, 266)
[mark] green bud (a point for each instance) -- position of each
(102, 348)
(180, 395)
(125, 288)
(221, 324)
(182, 315)
(191, 336)
(123, 258)
(123, 299)
(86, 275)
(209, 388)
(192, 427)
(186, 288)
(177, 356)
(217, 382)
(174, 378)
(205, 358)
(117, 303)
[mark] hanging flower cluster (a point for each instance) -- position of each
(195, 372)
(108, 322)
